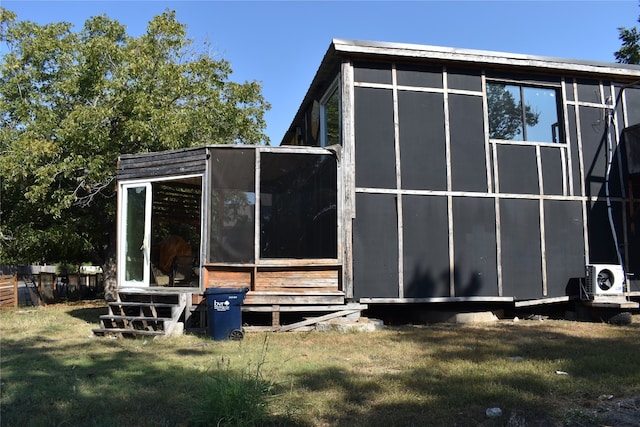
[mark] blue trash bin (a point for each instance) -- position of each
(224, 314)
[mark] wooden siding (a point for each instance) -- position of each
(8, 291)
(187, 161)
(283, 284)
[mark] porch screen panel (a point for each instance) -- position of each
(298, 199)
(474, 237)
(375, 246)
(521, 255)
(232, 205)
(422, 140)
(374, 135)
(426, 246)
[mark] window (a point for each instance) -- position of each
(523, 113)
(330, 116)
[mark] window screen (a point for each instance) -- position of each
(232, 205)
(298, 198)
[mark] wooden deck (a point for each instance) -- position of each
(296, 288)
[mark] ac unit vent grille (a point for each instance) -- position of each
(604, 279)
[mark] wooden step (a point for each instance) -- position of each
(138, 314)
(127, 331)
(141, 304)
(134, 318)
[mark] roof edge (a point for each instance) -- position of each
(407, 50)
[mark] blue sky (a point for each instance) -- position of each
(281, 43)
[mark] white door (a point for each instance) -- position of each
(134, 259)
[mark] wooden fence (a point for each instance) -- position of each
(8, 291)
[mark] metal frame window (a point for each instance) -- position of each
(519, 112)
(330, 116)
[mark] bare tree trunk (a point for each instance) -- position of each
(109, 270)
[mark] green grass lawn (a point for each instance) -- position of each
(55, 372)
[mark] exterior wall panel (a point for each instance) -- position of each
(422, 140)
(632, 97)
(572, 138)
(374, 136)
(564, 247)
(552, 177)
(464, 79)
(521, 255)
(517, 169)
(594, 148)
(419, 76)
(375, 246)
(589, 91)
(602, 249)
(426, 253)
(372, 72)
(475, 247)
(467, 143)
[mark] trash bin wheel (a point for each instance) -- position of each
(236, 334)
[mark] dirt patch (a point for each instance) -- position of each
(618, 412)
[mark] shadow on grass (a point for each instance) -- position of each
(459, 373)
(476, 369)
(90, 314)
(110, 383)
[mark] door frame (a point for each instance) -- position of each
(122, 235)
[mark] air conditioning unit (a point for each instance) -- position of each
(604, 279)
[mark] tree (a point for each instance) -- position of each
(629, 53)
(72, 102)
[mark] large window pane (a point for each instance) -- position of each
(232, 205)
(134, 234)
(544, 104)
(298, 197)
(331, 119)
(523, 113)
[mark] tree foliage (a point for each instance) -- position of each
(72, 102)
(629, 53)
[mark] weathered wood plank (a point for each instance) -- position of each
(315, 320)
(301, 280)
(127, 331)
(8, 291)
(304, 308)
(261, 298)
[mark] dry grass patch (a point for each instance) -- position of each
(55, 372)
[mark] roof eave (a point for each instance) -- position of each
(437, 53)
